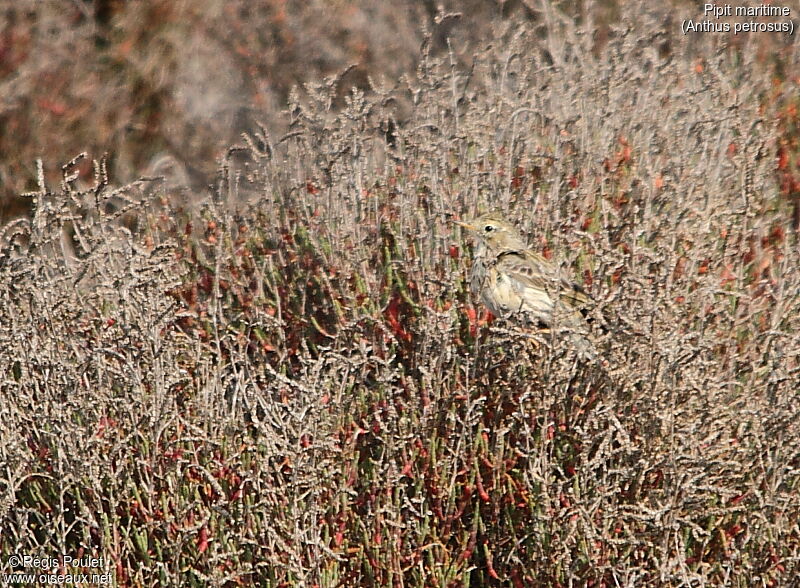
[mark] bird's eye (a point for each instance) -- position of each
(488, 228)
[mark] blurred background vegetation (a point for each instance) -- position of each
(182, 79)
(142, 79)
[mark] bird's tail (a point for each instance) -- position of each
(570, 325)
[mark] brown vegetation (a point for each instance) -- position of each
(286, 383)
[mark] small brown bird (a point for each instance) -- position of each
(518, 284)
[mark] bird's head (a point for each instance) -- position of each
(495, 232)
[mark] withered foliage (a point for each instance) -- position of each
(286, 383)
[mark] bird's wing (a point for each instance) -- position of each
(531, 270)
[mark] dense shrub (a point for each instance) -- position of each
(285, 382)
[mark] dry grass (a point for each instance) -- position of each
(288, 384)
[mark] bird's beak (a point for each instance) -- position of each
(465, 225)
